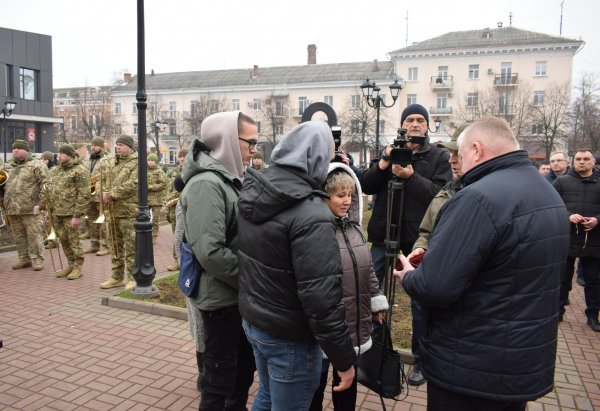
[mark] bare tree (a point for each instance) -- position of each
(95, 112)
(274, 110)
(550, 116)
(117, 76)
(358, 125)
(585, 114)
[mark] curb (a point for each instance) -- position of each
(145, 307)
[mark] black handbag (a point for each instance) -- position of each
(380, 369)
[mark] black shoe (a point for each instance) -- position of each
(580, 281)
(568, 302)
(200, 365)
(594, 324)
(416, 377)
(560, 318)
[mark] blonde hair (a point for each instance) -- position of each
(495, 132)
(338, 179)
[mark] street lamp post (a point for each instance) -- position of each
(437, 123)
(9, 106)
(371, 93)
(143, 267)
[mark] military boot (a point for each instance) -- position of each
(64, 272)
(112, 283)
(92, 249)
(21, 264)
(76, 273)
(174, 266)
(130, 284)
(103, 251)
(38, 264)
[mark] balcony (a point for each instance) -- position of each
(440, 111)
(506, 80)
(442, 82)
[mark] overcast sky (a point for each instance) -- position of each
(92, 40)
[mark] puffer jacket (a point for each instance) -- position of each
(24, 187)
(68, 191)
(290, 268)
(431, 172)
(209, 209)
(123, 186)
(489, 284)
(582, 196)
(362, 295)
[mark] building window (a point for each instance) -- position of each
(135, 128)
(194, 107)
(153, 107)
(172, 109)
(354, 127)
(258, 126)
(279, 108)
(442, 100)
(278, 128)
(443, 72)
(411, 99)
(27, 84)
(472, 99)
(473, 71)
(172, 129)
(413, 73)
(73, 123)
(117, 108)
(302, 103)
(328, 100)
(538, 98)
(118, 129)
(134, 108)
(214, 106)
(537, 129)
(256, 104)
(540, 68)
(9, 80)
(172, 155)
(235, 104)
(381, 126)
(356, 100)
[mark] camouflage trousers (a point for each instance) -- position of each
(97, 232)
(70, 240)
(123, 246)
(28, 233)
(171, 218)
(155, 220)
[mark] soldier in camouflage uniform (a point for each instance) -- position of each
(97, 164)
(22, 191)
(169, 206)
(121, 200)
(68, 196)
(157, 182)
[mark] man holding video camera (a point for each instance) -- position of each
(428, 171)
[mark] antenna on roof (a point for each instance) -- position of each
(406, 41)
(510, 19)
(561, 14)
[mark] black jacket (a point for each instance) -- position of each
(432, 172)
(582, 196)
(289, 262)
(489, 284)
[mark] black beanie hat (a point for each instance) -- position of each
(415, 109)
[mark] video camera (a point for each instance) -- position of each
(400, 154)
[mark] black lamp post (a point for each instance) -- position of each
(143, 268)
(371, 93)
(9, 106)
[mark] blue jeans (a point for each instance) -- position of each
(289, 371)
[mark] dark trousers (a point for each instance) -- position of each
(590, 270)
(439, 399)
(566, 284)
(228, 362)
(344, 400)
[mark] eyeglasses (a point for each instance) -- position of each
(251, 143)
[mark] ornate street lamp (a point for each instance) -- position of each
(9, 106)
(371, 94)
(143, 268)
(438, 123)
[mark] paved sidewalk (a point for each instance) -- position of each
(63, 350)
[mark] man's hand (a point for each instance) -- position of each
(576, 218)
(590, 223)
(406, 267)
(379, 316)
(105, 198)
(384, 164)
(415, 252)
(346, 378)
(402, 172)
(75, 222)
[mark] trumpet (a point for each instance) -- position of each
(3, 177)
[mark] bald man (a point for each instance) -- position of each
(489, 281)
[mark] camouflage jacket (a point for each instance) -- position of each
(26, 180)
(123, 186)
(68, 192)
(157, 182)
(98, 168)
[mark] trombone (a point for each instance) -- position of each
(53, 237)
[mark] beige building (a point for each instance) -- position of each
(458, 76)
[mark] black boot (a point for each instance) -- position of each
(594, 324)
(200, 366)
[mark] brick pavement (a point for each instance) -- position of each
(63, 350)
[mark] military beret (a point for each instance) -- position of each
(153, 157)
(21, 144)
(98, 141)
(67, 149)
(127, 140)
